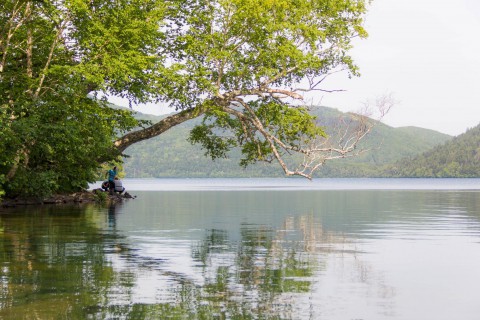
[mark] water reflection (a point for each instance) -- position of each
(54, 263)
(112, 219)
(248, 255)
(71, 264)
(255, 275)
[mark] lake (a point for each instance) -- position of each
(249, 249)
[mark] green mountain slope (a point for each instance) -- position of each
(171, 155)
(458, 157)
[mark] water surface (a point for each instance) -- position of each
(249, 249)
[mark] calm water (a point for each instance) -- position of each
(249, 249)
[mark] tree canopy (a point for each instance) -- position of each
(55, 56)
(243, 64)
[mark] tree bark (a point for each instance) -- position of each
(156, 129)
(29, 50)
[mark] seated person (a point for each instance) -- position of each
(105, 185)
(118, 185)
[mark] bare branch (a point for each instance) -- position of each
(271, 91)
(348, 132)
(315, 82)
(343, 141)
(281, 74)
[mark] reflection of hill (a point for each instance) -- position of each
(345, 211)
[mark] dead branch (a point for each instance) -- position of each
(344, 139)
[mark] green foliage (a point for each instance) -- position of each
(229, 58)
(64, 152)
(220, 131)
(246, 56)
(55, 132)
(2, 181)
(215, 146)
(34, 184)
(101, 197)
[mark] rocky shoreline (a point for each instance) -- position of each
(93, 196)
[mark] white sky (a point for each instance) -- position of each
(426, 53)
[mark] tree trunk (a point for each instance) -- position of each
(29, 50)
(156, 129)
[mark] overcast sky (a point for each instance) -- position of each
(427, 54)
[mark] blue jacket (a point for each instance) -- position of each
(111, 175)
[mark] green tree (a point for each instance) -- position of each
(245, 65)
(54, 56)
(241, 64)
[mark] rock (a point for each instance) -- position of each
(78, 197)
(128, 195)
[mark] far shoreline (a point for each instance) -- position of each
(296, 183)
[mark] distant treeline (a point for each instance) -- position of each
(393, 152)
(457, 158)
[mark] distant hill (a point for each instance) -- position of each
(171, 155)
(458, 157)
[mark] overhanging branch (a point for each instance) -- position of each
(156, 129)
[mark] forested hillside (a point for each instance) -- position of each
(459, 157)
(171, 155)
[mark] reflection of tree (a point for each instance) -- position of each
(61, 264)
(112, 219)
(256, 281)
(54, 262)
(215, 242)
(269, 273)
(251, 278)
